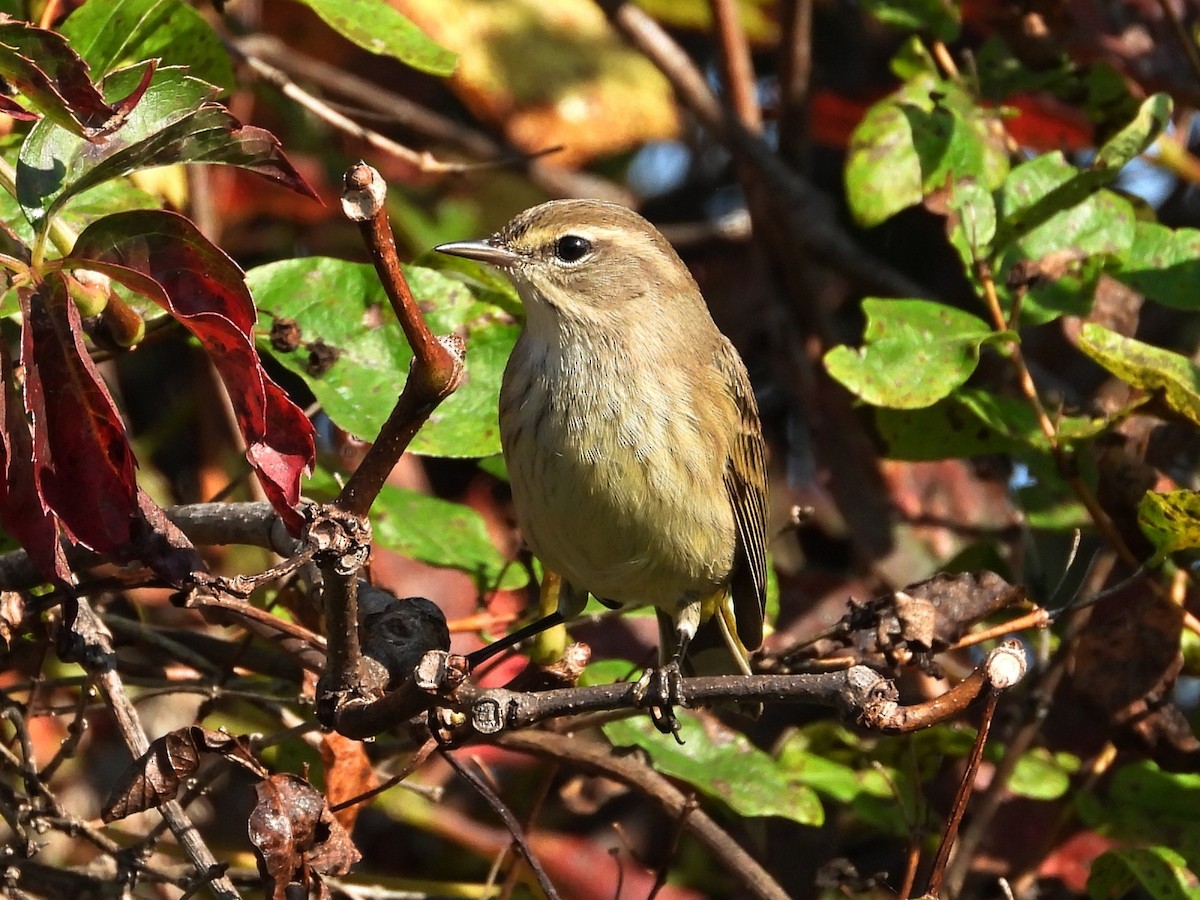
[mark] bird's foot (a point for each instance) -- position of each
(662, 690)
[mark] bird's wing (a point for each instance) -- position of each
(746, 484)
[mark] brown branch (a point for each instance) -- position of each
(342, 529)
(298, 642)
(600, 758)
(795, 75)
(370, 95)
(737, 67)
(254, 524)
(437, 364)
(860, 694)
(806, 214)
(422, 162)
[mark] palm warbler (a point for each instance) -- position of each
(629, 427)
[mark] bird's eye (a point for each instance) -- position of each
(572, 248)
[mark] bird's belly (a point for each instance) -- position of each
(627, 500)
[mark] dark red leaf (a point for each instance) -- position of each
(24, 516)
(163, 256)
(11, 108)
(82, 460)
(43, 66)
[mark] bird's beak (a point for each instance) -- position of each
(487, 251)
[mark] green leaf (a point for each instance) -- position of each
(1162, 263)
(1145, 805)
(118, 195)
(54, 164)
(1045, 205)
(50, 76)
(381, 28)
(936, 17)
(1015, 419)
(722, 764)
(945, 430)
(913, 59)
(972, 223)
(342, 305)
(1042, 775)
(974, 423)
(1159, 871)
(1171, 521)
(112, 33)
(1036, 191)
(172, 123)
(433, 531)
(916, 353)
(1131, 141)
(924, 135)
(840, 767)
(883, 174)
(1172, 376)
(1053, 220)
(1071, 292)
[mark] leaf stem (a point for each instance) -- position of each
(1063, 458)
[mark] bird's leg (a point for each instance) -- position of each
(662, 687)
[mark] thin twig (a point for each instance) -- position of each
(554, 180)
(737, 67)
(1024, 733)
(510, 821)
(418, 760)
(423, 162)
(600, 758)
(965, 787)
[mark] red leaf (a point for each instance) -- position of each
(163, 256)
(53, 76)
(24, 516)
(82, 460)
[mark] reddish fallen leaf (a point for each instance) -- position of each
(297, 838)
(348, 773)
(156, 776)
(1071, 860)
(164, 256)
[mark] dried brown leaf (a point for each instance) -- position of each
(157, 775)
